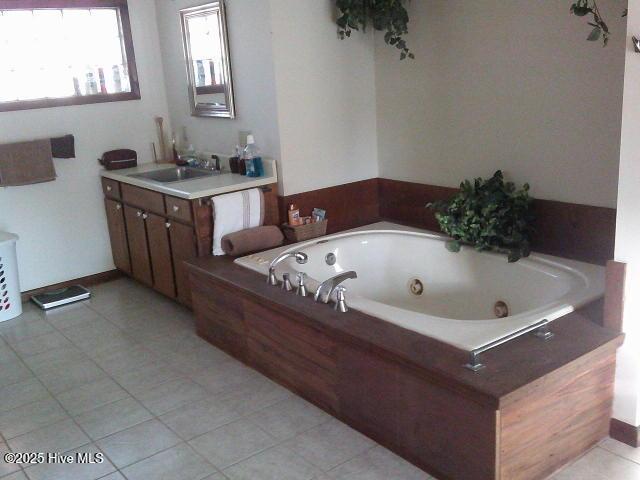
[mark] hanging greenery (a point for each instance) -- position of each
(586, 8)
(389, 16)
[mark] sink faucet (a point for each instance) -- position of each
(300, 257)
(326, 288)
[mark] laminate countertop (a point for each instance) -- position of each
(195, 188)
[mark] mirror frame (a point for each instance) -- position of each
(203, 109)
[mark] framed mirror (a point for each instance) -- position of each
(206, 51)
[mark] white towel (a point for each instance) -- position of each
(234, 212)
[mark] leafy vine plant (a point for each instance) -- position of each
(584, 8)
(389, 16)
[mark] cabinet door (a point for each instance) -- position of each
(118, 235)
(138, 249)
(183, 247)
(160, 252)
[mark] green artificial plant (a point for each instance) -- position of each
(488, 214)
(389, 16)
(589, 8)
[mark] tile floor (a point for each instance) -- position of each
(124, 375)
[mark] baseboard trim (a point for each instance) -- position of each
(87, 281)
(625, 433)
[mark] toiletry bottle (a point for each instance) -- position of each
(252, 159)
(234, 161)
(294, 215)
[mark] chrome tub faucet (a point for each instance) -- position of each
(300, 257)
(326, 288)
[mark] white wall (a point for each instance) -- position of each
(62, 225)
(326, 98)
(627, 404)
(249, 28)
(504, 85)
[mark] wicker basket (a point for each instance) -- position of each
(300, 233)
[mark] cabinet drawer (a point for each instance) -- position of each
(111, 188)
(144, 199)
(179, 208)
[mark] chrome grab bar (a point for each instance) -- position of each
(541, 329)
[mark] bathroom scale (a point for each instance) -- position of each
(64, 296)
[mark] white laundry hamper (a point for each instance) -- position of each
(10, 302)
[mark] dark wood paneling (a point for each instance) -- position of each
(138, 247)
(579, 232)
(146, 200)
(348, 206)
(614, 295)
(557, 422)
(87, 281)
(183, 247)
(160, 254)
(625, 433)
(118, 235)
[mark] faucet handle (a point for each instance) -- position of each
(302, 284)
(341, 299)
(286, 282)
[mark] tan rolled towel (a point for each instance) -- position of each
(252, 240)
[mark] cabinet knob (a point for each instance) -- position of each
(145, 216)
(168, 224)
(176, 208)
(139, 213)
(109, 188)
(118, 206)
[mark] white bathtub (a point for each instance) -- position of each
(460, 290)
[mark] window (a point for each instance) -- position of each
(65, 52)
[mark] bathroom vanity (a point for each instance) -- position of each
(155, 224)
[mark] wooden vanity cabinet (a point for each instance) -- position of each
(118, 235)
(153, 234)
(138, 245)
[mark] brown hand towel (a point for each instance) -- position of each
(25, 163)
(63, 147)
(252, 240)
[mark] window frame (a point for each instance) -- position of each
(127, 38)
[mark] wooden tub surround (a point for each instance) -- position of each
(535, 406)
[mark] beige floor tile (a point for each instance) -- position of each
(72, 375)
(170, 395)
(73, 471)
(289, 417)
(223, 377)
(30, 417)
(55, 359)
(146, 377)
(232, 443)
(378, 464)
(600, 464)
(138, 442)
(90, 396)
(122, 359)
(19, 475)
(177, 463)
(20, 329)
(112, 418)
(71, 316)
(14, 372)
(59, 437)
(194, 419)
(98, 337)
(277, 463)
(40, 344)
(330, 444)
(255, 395)
(6, 468)
(621, 449)
(19, 394)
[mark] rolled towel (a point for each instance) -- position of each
(237, 211)
(252, 240)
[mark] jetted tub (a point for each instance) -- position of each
(408, 277)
